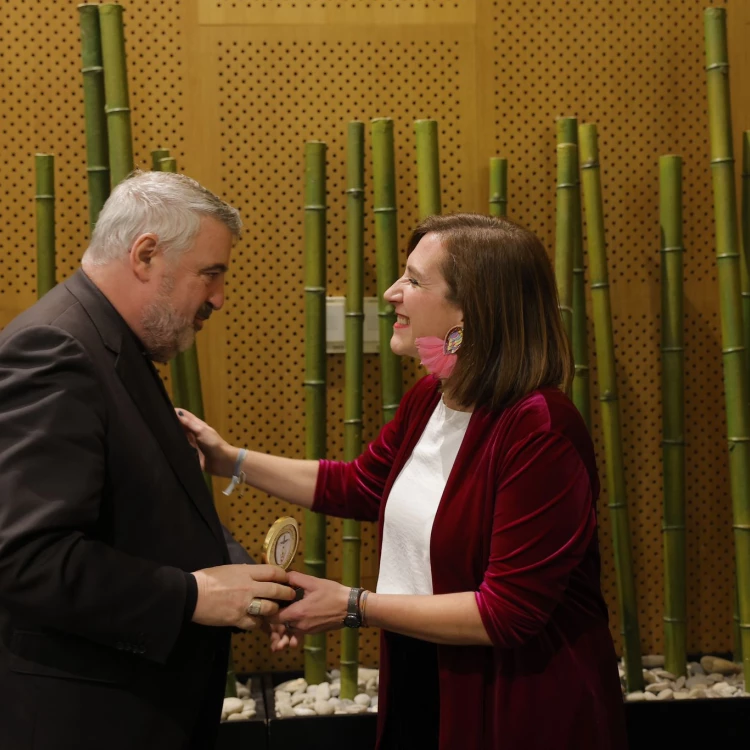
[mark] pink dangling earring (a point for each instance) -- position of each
(438, 356)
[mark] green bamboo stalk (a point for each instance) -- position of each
(45, 223)
(498, 186)
(567, 180)
(315, 377)
(745, 292)
(156, 156)
(428, 167)
(168, 164)
(116, 91)
(605, 360)
(732, 335)
(673, 400)
(386, 257)
(97, 148)
(353, 385)
(567, 132)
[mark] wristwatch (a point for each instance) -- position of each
(353, 617)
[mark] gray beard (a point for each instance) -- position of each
(166, 333)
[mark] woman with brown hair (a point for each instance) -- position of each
(494, 630)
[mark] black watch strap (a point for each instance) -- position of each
(353, 617)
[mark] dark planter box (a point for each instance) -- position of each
(700, 722)
(316, 732)
(247, 735)
(686, 724)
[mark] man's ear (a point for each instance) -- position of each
(142, 254)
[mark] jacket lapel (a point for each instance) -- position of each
(144, 386)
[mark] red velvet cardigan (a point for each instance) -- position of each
(517, 525)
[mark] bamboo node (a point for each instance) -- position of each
(315, 289)
(608, 397)
(672, 249)
(353, 421)
(314, 207)
(741, 526)
(727, 256)
(97, 169)
(578, 270)
(674, 619)
(617, 505)
(600, 285)
(92, 69)
(355, 191)
(354, 315)
(114, 110)
(566, 185)
(389, 406)
(498, 200)
(670, 441)
(673, 348)
(738, 439)
(565, 308)
(580, 368)
(313, 382)
(43, 197)
(673, 527)
(722, 160)
(385, 210)
(733, 349)
(385, 314)
(590, 165)
(351, 538)
(717, 66)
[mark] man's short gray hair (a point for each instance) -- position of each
(166, 204)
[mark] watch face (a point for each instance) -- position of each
(281, 542)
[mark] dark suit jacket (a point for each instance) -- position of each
(102, 510)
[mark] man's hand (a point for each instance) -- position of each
(225, 593)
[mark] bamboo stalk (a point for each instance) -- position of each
(156, 156)
(745, 293)
(315, 376)
(45, 223)
(732, 335)
(386, 257)
(353, 385)
(498, 186)
(428, 167)
(116, 91)
(168, 164)
(605, 361)
(567, 179)
(97, 149)
(673, 398)
(567, 132)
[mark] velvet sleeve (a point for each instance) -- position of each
(355, 489)
(543, 522)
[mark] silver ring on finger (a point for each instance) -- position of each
(253, 609)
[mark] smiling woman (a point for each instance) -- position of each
(484, 486)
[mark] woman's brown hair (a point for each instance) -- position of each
(499, 275)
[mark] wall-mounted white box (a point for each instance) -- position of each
(335, 325)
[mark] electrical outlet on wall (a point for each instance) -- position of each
(336, 325)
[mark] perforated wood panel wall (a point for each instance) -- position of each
(235, 88)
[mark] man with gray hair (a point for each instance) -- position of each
(118, 585)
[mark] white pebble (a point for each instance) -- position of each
(657, 687)
(323, 692)
(650, 661)
(635, 696)
(284, 710)
(237, 717)
(297, 698)
(665, 695)
(304, 711)
(335, 690)
(292, 686)
(356, 709)
(681, 695)
(242, 692)
(680, 682)
(322, 708)
(362, 699)
(232, 706)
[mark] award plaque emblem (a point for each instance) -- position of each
(282, 540)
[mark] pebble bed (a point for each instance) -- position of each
(712, 677)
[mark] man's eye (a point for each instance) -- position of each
(413, 282)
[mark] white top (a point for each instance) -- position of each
(413, 502)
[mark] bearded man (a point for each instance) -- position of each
(117, 588)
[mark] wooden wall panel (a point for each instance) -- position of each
(235, 87)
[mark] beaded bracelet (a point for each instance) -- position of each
(238, 476)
